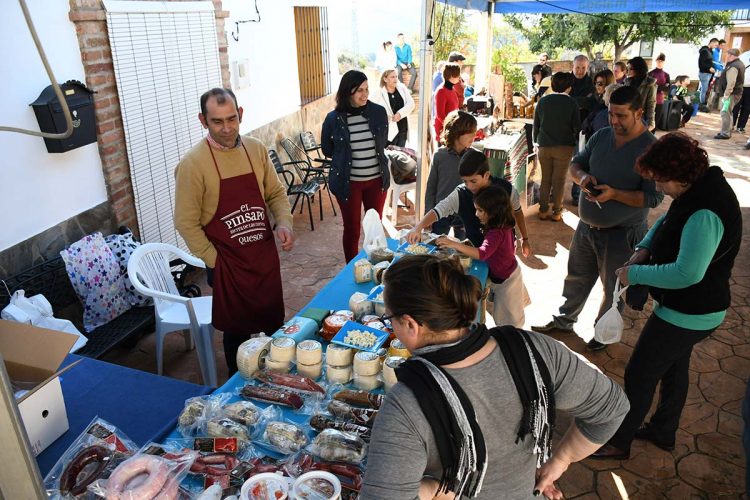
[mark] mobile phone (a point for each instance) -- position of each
(590, 189)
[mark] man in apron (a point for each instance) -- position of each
(225, 192)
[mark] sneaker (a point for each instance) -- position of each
(703, 109)
(550, 327)
(556, 216)
(594, 345)
(741, 130)
(544, 215)
(647, 433)
(722, 137)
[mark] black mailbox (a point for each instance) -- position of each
(49, 114)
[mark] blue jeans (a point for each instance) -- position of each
(595, 253)
(705, 79)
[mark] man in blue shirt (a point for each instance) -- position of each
(404, 61)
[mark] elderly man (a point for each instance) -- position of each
(583, 88)
(226, 191)
(729, 86)
(706, 69)
(613, 213)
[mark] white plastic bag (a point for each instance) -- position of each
(608, 329)
(374, 233)
(37, 311)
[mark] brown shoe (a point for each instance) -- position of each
(556, 216)
(544, 215)
(609, 452)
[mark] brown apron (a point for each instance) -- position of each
(247, 277)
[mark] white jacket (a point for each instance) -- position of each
(404, 112)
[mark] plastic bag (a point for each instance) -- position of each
(198, 411)
(608, 329)
(284, 437)
(94, 454)
(36, 310)
(374, 233)
(333, 445)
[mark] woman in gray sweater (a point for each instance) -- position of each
(474, 409)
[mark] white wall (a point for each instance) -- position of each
(271, 49)
(39, 189)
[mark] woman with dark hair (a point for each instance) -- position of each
(638, 78)
(456, 421)
(602, 80)
(537, 75)
(354, 137)
(686, 261)
(445, 97)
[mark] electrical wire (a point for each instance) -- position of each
(440, 29)
(55, 86)
(622, 21)
(237, 23)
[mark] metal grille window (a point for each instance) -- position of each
(165, 56)
(311, 28)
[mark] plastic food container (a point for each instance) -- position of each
(317, 485)
(266, 486)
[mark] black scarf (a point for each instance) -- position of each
(460, 442)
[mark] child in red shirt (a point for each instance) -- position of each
(498, 250)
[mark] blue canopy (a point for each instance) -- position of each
(598, 6)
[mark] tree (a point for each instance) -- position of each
(452, 33)
(583, 32)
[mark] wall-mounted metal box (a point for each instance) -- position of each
(49, 114)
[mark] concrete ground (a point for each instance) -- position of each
(708, 461)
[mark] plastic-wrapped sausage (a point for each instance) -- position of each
(321, 422)
(360, 398)
(272, 395)
(337, 446)
(70, 483)
(360, 416)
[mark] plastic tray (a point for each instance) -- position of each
(404, 247)
(352, 325)
(374, 293)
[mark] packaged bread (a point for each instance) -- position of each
(362, 271)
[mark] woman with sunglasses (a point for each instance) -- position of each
(646, 85)
(602, 80)
(473, 410)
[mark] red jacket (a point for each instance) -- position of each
(446, 101)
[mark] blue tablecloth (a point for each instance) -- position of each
(137, 402)
(334, 295)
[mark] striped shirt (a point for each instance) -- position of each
(365, 164)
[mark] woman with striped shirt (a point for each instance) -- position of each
(354, 137)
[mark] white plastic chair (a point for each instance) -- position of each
(396, 191)
(149, 271)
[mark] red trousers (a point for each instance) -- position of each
(371, 195)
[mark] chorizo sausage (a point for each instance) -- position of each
(69, 481)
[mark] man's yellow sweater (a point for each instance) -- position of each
(197, 190)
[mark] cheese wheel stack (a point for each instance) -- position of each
(339, 363)
(280, 357)
(310, 359)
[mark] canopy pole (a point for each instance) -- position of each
(425, 98)
(484, 50)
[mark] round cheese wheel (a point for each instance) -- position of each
(339, 355)
(397, 348)
(369, 318)
(282, 349)
(379, 308)
(331, 326)
(310, 371)
(346, 313)
(338, 374)
(366, 363)
(309, 352)
(250, 355)
(369, 383)
(389, 369)
(278, 366)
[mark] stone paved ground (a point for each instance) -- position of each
(708, 461)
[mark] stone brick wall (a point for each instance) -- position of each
(89, 18)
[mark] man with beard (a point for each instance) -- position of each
(613, 213)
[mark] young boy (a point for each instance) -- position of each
(681, 94)
(474, 170)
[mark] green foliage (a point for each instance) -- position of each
(455, 34)
(506, 57)
(551, 32)
(504, 34)
(350, 60)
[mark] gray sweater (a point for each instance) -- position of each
(443, 177)
(557, 121)
(615, 167)
(403, 449)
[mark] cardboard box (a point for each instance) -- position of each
(32, 357)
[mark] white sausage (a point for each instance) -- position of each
(156, 469)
